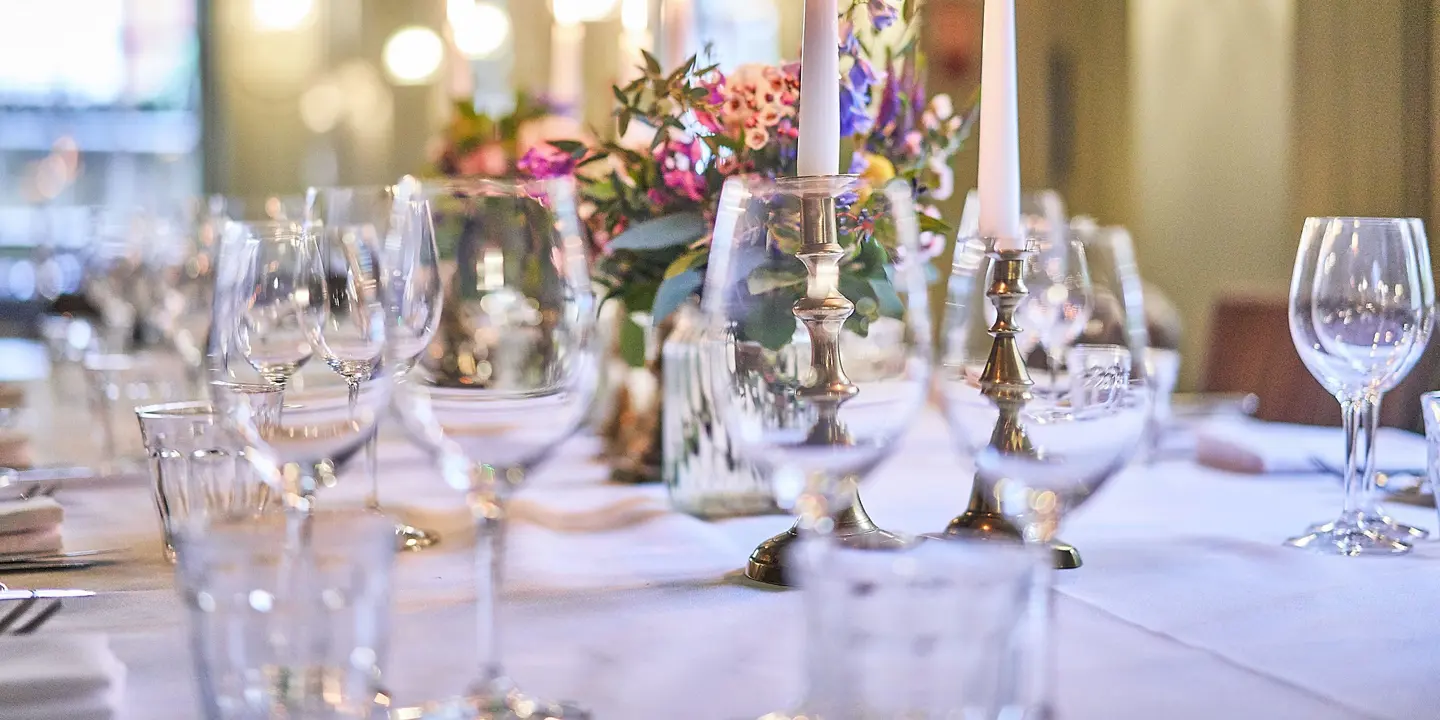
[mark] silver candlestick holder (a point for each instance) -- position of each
(823, 315)
(1007, 383)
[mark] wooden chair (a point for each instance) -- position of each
(1251, 351)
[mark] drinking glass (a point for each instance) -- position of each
(1118, 314)
(280, 628)
(118, 383)
(1361, 309)
(112, 272)
(1430, 408)
(1061, 299)
(819, 354)
(509, 376)
(198, 470)
(285, 297)
(387, 238)
(934, 629)
(271, 302)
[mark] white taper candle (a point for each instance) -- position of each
(999, 176)
(819, 152)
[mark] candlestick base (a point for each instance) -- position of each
(993, 526)
(853, 529)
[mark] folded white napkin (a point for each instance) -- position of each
(1255, 447)
(28, 526)
(48, 676)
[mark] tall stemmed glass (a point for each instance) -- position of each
(321, 425)
(1361, 309)
(381, 225)
(1062, 297)
(819, 355)
(1374, 513)
(287, 303)
(509, 376)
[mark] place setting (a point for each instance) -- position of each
(432, 364)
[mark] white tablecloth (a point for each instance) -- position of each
(1186, 607)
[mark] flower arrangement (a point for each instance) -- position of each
(651, 206)
(476, 143)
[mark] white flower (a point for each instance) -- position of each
(941, 106)
(946, 176)
(757, 138)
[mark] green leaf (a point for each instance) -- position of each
(673, 293)
(692, 258)
(620, 97)
(932, 224)
(624, 123)
(847, 151)
(771, 321)
(764, 280)
(632, 342)
(862, 293)
(651, 64)
(573, 148)
(885, 296)
(662, 232)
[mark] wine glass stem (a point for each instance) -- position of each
(490, 527)
(372, 468)
(818, 596)
(1370, 427)
(1352, 412)
(1052, 357)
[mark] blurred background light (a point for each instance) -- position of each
(413, 55)
(480, 28)
(321, 106)
(574, 12)
(281, 15)
(635, 14)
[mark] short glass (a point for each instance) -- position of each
(286, 628)
(1097, 373)
(119, 383)
(935, 629)
(1430, 408)
(199, 471)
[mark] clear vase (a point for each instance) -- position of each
(700, 466)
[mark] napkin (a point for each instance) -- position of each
(611, 541)
(1256, 447)
(49, 676)
(29, 526)
(15, 449)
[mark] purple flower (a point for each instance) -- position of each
(546, 161)
(849, 44)
(862, 76)
(858, 163)
(889, 110)
(882, 15)
(854, 115)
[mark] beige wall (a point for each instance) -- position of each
(1210, 115)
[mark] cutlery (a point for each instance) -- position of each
(43, 594)
(52, 556)
(46, 565)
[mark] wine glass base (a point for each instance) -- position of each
(1343, 538)
(1384, 525)
(413, 539)
(493, 703)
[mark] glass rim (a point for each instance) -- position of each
(179, 409)
(229, 536)
(1361, 219)
(465, 187)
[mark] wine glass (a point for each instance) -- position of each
(509, 376)
(112, 271)
(818, 339)
(392, 249)
(287, 301)
(1061, 299)
(268, 273)
(1361, 310)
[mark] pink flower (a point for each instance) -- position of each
(913, 142)
(488, 159)
(757, 138)
(685, 184)
(546, 161)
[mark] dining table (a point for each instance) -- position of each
(1187, 605)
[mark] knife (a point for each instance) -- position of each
(43, 594)
(39, 565)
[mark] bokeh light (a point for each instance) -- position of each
(479, 28)
(413, 55)
(574, 12)
(280, 15)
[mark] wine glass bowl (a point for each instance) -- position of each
(286, 304)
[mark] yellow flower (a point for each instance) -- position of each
(878, 170)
